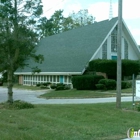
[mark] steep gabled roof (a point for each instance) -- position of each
(70, 51)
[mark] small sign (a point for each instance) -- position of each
(137, 88)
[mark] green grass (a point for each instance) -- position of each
(68, 122)
(83, 94)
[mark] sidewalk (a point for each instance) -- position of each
(33, 97)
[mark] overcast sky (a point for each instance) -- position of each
(100, 10)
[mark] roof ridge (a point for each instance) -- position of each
(78, 28)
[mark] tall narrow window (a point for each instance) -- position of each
(69, 79)
(104, 50)
(50, 78)
(45, 78)
(65, 80)
(114, 40)
(57, 78)
(54, 78)
(125, 49)
(42, 78)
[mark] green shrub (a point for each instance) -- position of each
(130, 67)
(111, 84)
(38, 84)
(96, 78)
(60, 84)
(22, 105)
(18, 105)
(125, 84)
(53, 86)
(138, 106)
(43, 87)
(103, 81)
(46, 84)
(100, 86)
(67, 87)
(60, 88)
(106, 66)
(108, 83)
(86, 82)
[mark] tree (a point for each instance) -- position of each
(58, 23)
(82, 18)
(53, 25)
(18, 36)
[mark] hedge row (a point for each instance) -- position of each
(110, 84)
(93, 82)
(86, 82)
(109, 67)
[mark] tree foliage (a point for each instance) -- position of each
(82, 18)
(58, 23)
(18, 35)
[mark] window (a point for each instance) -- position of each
(58, 78)
(38, 78)
(50, 78)
(125, 49)
(54, 78)
(45, 78)
(114, 57)
(42, 78)
(69, 79)
(114, 40)
(104, 50)
(65, 80)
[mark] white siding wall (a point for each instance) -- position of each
(131, 53)
(109, 47)
(35, 79)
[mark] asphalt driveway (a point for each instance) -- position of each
(33, 97)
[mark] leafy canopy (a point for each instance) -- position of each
(19, 36)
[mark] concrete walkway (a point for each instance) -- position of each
(132, 138)
(33, 97)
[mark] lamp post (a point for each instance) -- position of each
(119, 63)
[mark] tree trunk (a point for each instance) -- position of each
(10, 86)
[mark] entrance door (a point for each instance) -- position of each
(114, 57)
(61, 79)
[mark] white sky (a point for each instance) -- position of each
(100, 10)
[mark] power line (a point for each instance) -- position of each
(54, 6)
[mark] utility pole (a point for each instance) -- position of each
(119, 63)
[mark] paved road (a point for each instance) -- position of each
(33, 97)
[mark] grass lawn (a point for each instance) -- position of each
(84, 93)
(68, 122)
